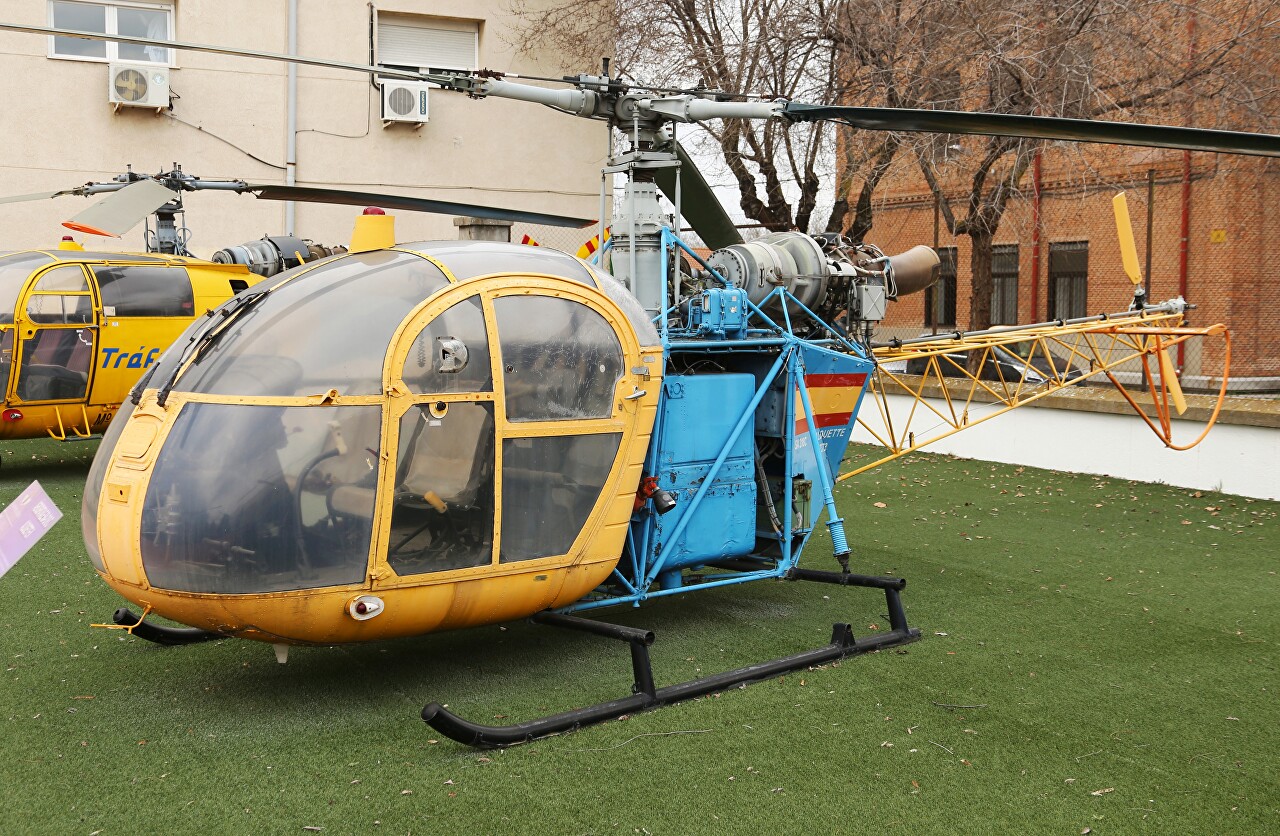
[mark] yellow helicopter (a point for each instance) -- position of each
(511, 431)
(78, 328)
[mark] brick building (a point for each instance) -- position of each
(1057, 255)
(1213, 220)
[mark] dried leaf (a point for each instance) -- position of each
(1103, 791)
(880, 505)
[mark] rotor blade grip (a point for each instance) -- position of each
(685, 109)
(580, 102)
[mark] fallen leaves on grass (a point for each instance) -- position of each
(1103, 791)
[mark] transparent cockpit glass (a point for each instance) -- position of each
(549, 486)
(646, 333)
(144, 290)
(6, 357)
(68, 278)
(55, 363)
(560, 359)
(328, 328)
(93, 485)
(442, 515)
(15, 269)
(468, 259)
(250, 499)
(452, 353)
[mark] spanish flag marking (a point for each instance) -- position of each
(833, 397)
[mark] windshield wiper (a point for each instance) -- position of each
(209, 337)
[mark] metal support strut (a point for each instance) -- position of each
(646, 696)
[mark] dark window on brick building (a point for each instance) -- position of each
(1004, 285)
(1068, 279)
(940, 297)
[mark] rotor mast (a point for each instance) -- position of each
(646, 122)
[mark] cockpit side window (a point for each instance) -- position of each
(61, 296)
(451, 354)
(144, 290)
(561, 360)
(15, 269)
(442, 514)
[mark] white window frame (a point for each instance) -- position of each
(113, 50)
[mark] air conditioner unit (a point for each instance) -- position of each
(138, 85)
(404, 101)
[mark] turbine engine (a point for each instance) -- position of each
(842, 282)
(274, 254)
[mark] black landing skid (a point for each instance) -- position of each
(646, 696)
(160, 634)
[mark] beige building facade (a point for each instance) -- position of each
(227, 117)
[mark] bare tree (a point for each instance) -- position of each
(730, 46)
(1133, 60)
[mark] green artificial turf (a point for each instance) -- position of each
(1098, 655)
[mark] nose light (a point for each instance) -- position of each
(365, 607)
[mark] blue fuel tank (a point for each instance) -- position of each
(698, 415)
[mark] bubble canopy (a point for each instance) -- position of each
(329, 326)
(505, 390)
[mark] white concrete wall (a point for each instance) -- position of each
(57, 129)
(1234, 459)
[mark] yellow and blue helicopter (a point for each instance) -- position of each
(509, 431)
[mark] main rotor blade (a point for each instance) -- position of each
(1037, 127)
(20, 198)
(698, 203)
(310, 194)
(121, 211)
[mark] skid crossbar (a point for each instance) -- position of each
(645, 695)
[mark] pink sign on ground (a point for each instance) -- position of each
(23, 523)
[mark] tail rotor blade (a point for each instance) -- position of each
(1124, 232)
(1169, 378)
(309, 194)
(120, 212)
(698, 203)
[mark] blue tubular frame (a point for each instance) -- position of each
(770, 345)
(770, 354)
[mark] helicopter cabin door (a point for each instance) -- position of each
(506, 436)
(442, 516)
(57, 336)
